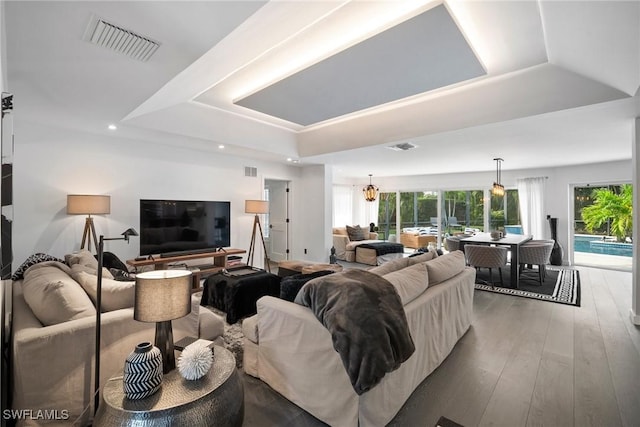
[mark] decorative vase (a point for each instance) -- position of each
(142, 371)
(556, 253)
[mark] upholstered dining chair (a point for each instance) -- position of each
(452, 243)
(536, 252)
(483, 256)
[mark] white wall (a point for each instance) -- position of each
(314, 198)
(559, 183)
(51, 163)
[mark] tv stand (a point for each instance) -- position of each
(218, 256)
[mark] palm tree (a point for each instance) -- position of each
(613, 207)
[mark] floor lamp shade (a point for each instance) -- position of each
(88, 204)
(161, 296)
(256, 206)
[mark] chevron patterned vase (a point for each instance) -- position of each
(142, 372)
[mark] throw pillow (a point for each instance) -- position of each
(32, 260)
(290, 285)
(390, 266)
(53, 296)
(82, 257)
(87, 261)
(115, 294)
(445, 267)
(110, 260)
(355, 233)
(409, 282)
(424, 257)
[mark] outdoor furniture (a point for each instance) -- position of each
(483, 256)
(512, 241)
(536, 252)
(453, 222)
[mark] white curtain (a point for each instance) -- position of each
(342, 205)
(531, 194)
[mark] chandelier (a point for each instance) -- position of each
(370, 191)
(498, 189)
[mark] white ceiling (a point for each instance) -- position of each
(561, 83)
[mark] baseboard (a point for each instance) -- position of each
(635, 318)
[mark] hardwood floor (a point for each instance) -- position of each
(523, 363)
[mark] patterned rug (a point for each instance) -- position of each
(561, 285)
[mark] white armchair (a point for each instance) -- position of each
(345, 246)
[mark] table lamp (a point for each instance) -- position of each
(88, 204)
(161, 296)
(257, 207)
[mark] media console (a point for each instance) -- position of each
(220, 261)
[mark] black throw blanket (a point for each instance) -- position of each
(383, 248)
(367, 322)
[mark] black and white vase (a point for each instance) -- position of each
(142, 372)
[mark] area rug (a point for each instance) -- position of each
(561, 285)
(232, 337)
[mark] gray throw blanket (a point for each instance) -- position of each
(367, 322)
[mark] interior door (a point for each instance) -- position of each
(278, 246)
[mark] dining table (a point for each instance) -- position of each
(512, 241)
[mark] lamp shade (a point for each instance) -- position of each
(162, 295)
(88, 204)
(256, 206)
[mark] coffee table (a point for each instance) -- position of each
(237, 291)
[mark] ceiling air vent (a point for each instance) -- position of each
(405, 146)
(105, 34)
(250, 171)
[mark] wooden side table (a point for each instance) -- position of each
(217, 399)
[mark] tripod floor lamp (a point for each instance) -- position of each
(257, 207)
(88, 204)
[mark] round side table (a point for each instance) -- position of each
(217, 399)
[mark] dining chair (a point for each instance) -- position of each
(452, 243)
(538, 253)
(483, 256)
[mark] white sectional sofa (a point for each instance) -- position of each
(289, 349)
(53, 339)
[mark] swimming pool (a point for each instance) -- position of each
(595, 245)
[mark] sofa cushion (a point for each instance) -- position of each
(355, 233)
(115, 294)
(390, 266)
(32, 260)
(423, 257)
(445, 267)
(86, 260)
(53, 296)
(409, 282)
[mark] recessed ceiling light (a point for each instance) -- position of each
(221, 146)
(112, 127)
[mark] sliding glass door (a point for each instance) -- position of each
(602, 226)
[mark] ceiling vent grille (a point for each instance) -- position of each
(110, 36)
(405, 146)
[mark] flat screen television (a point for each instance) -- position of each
(173, 227)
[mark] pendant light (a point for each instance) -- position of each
(370, 191)
(498, 189)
